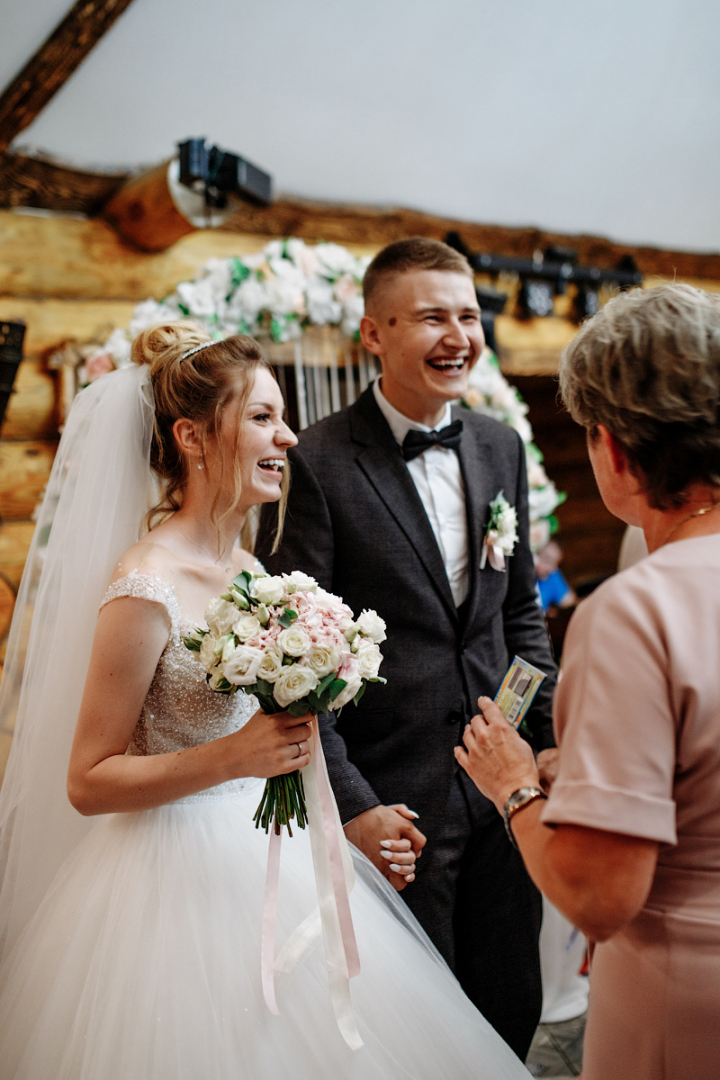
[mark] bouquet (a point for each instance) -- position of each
(295, 647)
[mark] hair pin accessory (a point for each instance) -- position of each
(197, 348)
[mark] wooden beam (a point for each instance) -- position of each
(45, 185)
(54, 62)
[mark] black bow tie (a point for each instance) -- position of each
(417, 442)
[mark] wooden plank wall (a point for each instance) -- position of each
(69, 277)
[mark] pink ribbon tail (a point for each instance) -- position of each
(496, 557)
(337, 870)
(269, 921)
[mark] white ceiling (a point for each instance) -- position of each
(565, 114)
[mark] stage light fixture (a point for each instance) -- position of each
(217, 174)
(11, 354)
(535, 299)
(491, 303)
(586, 303)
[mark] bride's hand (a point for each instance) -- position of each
(271, 745)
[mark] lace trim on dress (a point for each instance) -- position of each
(148, 586)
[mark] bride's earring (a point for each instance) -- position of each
(200, 466)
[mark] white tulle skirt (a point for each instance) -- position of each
(143, 963)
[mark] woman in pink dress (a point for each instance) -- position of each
(628, 843)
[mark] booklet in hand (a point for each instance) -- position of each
(517, 690)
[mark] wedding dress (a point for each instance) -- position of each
(143, 962)
(142, 959)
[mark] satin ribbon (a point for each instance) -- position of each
(334, 878)
(492, 551)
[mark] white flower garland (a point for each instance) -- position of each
(490, 393)
(290, 285)
(283, 288)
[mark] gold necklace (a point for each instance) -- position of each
(697, 513)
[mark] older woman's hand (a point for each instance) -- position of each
(495, 757)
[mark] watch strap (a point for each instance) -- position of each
(522, 797)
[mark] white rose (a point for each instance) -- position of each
(354, 682)
(369, 659)
(271, 664)
(372, 626)
(267, 590)
(299, 582)
(294, 642)
(246, 626)
(507, 529)
(228, 647)
(208, 656)
(323, 659)
(293, 683)
(330, 603)
(241, 668)
(220, 616)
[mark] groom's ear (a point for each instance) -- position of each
(369, 334)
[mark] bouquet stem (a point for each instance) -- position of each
(282, 800)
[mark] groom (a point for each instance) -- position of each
(388, 508)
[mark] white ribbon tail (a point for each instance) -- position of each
(334, 877)
(497, 558)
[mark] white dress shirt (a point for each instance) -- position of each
(438, 479)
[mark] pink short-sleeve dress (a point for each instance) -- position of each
(637, 717)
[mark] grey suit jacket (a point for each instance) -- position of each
(356, 522)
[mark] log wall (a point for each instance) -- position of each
(73, 278)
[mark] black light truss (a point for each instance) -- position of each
(559, 265)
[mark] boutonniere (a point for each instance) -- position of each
(501, 533)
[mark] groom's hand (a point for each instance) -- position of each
(393, 824)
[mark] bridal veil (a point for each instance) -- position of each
(100, 488)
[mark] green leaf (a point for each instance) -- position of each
(264, 687)
(335, 688)
(184, 309)
(327, 681)
(299, 708)
(238, 272)
(361, 691)
(276, 328)
(287, 618)
(268, 704)
(192, 644)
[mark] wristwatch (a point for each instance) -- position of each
(515, 802)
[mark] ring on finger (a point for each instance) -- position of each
(300, 749)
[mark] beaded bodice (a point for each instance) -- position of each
(180, 710)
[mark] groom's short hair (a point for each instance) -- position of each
(415, 253)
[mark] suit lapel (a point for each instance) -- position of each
(380, 459)
(476, 467)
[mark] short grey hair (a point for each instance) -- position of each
(647, 367)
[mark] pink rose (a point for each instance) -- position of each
(98, 365)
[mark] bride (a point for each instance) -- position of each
(131, 905)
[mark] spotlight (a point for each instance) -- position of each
(491, 303)
(586, 303)
(11, 354)
(535, 299)
(217, 173)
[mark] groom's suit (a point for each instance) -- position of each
(355, 521)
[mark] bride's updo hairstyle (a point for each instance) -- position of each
(647, 367)
(198, 387)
